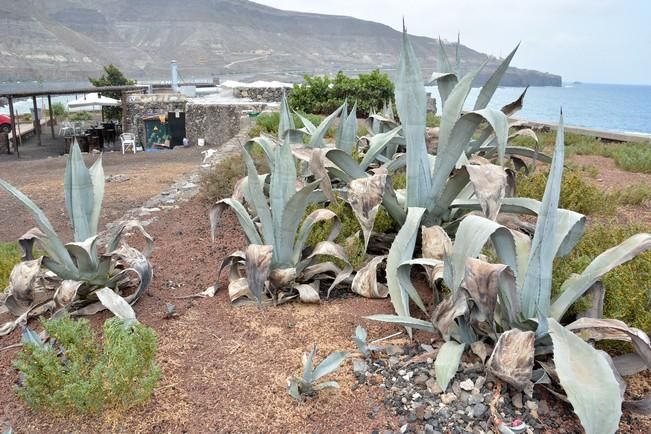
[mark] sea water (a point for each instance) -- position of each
(625, 108)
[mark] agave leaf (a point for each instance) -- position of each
(282, 187)
(446, 313)
(481, 282)
(411, 102)
(267, 144)
(447, 78)
(365, 196)
(347, 131)
(242, 215)
(308, 366)
(488, 90)
(346, 163)
(365, 281)
(317, 216)
(116, 304)
(574, 287)
(512, 358)
(286, 120)
(328, 248)
(516, 105)
(489, 183)
(66, 293)
(21, 286)
(404, 321)
(238, 289)
(307, 293)
(588, 380)
(51, 242)
(326, 385)
(29, 336)
(472, 234)
(293, 212)
(316, 139)
(643, 406)
(258, 263)
(85, 254)
(258, 199)
(436, 245)
(79, 196)
(96, 172)
(401, 250)
(447, 362)
(377, 144)
(329, 365)
(318, 168)
(307, 124)
(536, 290)
(612, 329)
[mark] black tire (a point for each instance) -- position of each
(5, 128)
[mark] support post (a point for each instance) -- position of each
(49, 104)
(12, 115)
(37, 122)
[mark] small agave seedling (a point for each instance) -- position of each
(308, 384)
(77, 277)
(360, 340)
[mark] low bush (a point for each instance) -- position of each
(267, 123)
(81, 116)
(634, 157)
(576, 194)
(628, 296)
(218, 182)
(636, 194)
(74, 372)
(324, 94)
(59, 109)
(9, 256)
(433, 120)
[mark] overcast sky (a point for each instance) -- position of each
(600, 41)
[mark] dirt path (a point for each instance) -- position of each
(143, 175)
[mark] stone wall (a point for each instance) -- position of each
(215, 123)
(137, 107)
(268, 94)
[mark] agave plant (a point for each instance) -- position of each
(276, 265)
(74, 276)
(510, 303)
(307, 385)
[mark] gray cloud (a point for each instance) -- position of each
(603, 41)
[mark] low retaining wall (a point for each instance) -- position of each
(269, 94)
(138, 107)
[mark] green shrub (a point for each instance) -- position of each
(81, 116)
(576, 194)
(634, 157)
(636, 194)
(267, 123)
(324, 95)
(218, 182)
(77, 373)
(59, 109)
(9, 256)
(433, 120)
(628, 296)
(349, 226)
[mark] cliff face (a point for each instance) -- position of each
(72, 39)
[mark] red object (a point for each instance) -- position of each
(5, 123)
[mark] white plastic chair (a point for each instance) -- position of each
(78, 127)
(128, 141)
(66, 129)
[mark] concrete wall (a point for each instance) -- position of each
(269, 94)
(215, 123)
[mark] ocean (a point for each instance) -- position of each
(625, 108)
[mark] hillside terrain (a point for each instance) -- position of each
(73, 39)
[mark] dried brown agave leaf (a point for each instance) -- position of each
(365, 196)
(328, 248)
(66, 293)
(512, 358)
(481, 283)
(612, 329)
(258, 264)
(481, 350)
(445, 313)
(489, 183)
(365, 281)
(26, 243)
(239, 288)
(436, 245)
(308, 293)
(280, 278)
(318, 168)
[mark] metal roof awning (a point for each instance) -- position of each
(39, 90)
